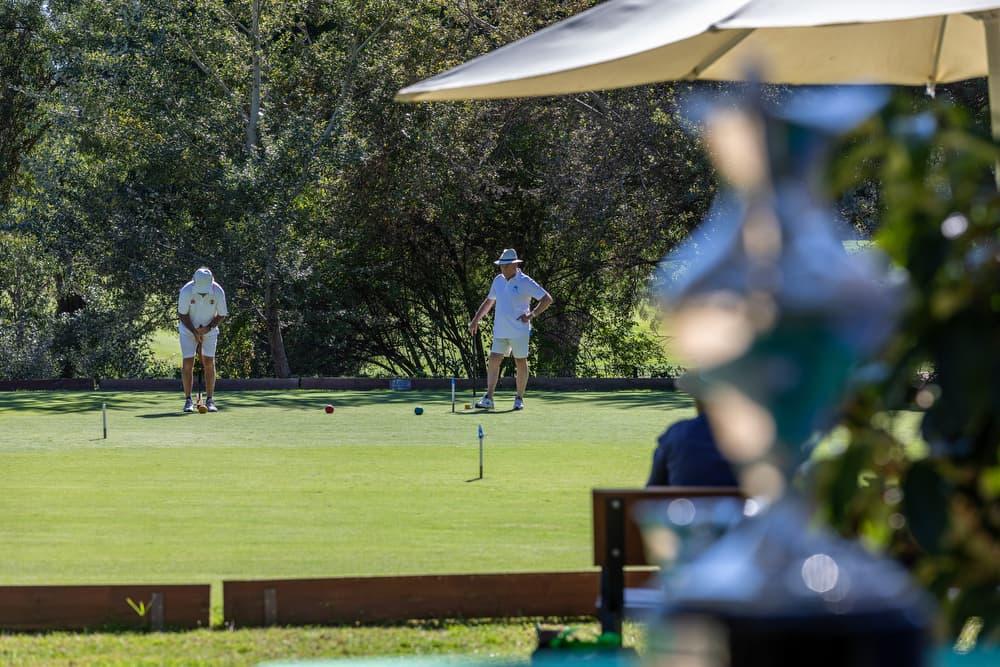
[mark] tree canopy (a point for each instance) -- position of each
(353, 234)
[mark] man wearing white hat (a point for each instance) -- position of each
(201, 306)
(512, 292)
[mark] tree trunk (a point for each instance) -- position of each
(275, 341)
(67, 303)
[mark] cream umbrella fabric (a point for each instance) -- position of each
(630, 42)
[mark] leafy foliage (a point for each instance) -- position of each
(940, 222)
(26, 74)
(353, 234)
(26, 295)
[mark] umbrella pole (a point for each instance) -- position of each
(991, 24)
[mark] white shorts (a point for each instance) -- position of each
(505, 346)
(189, 346)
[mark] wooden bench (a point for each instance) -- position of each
(618, 540)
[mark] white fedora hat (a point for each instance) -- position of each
(508, 256)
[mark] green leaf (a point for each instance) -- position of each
(139, 608)
(989, 483)
(981, 602)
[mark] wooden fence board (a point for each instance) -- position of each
(91, 607)
(394, 599)
(344, 384)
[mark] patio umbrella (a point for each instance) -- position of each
(631, 42)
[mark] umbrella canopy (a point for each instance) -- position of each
(630, 42)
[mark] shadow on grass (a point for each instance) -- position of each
(71, 401)
(312, 399)
(638, 398)
(307, 400)
(107, 629)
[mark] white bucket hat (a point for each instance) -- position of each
(508, 256)
(203, 280)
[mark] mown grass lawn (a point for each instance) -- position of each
(165, 348)
(493, 640)
(273, 487)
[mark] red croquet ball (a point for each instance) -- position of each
(329, 409)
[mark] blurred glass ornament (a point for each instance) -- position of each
(766, 302)
(776, 316)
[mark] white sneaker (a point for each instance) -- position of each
(210, 404)
(518, 403)
(188, 405)
(485, 403)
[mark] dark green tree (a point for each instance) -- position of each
(353, 234)
(26, 79)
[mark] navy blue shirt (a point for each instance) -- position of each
(686, 455)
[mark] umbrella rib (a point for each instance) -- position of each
(717, 54)
(938, 47)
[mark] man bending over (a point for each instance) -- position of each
(201, 306)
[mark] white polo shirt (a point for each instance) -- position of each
(513, 299)
(202, 308)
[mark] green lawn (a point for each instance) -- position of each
(272, 486)
(484, 640)
(164, 347)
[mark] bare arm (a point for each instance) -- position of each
(188, 324)
(480, 314)
(200, 331)
(543, 305)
